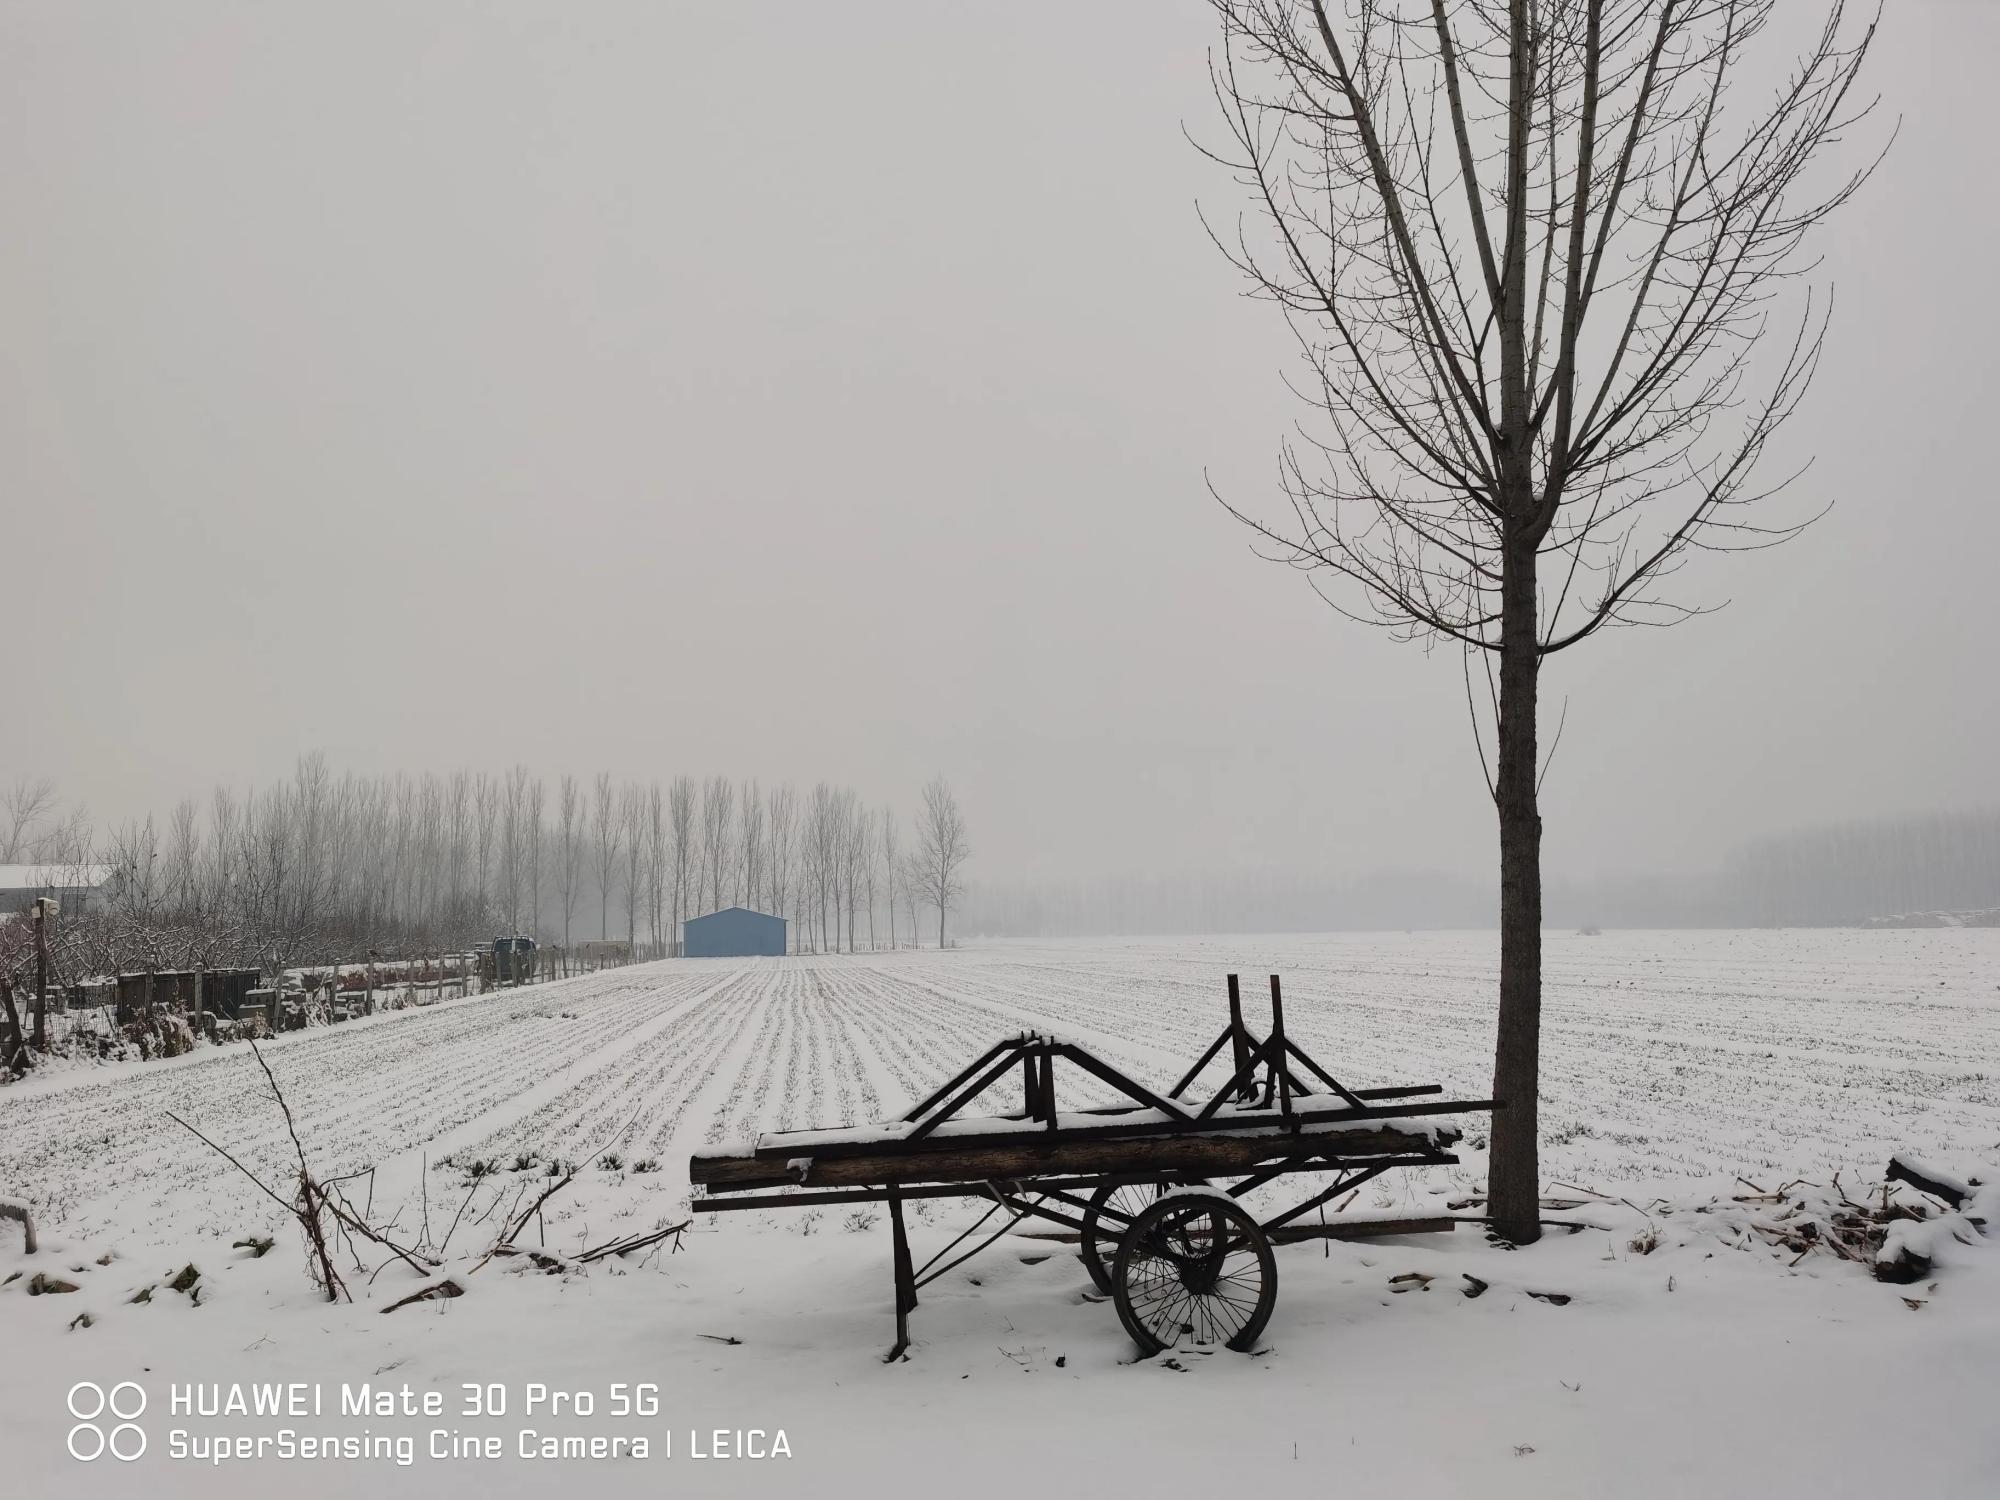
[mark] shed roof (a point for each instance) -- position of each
(53, 877)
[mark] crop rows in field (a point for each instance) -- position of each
(1665, 1055)
(101, 1155)
(1671, 1055)
(1691, 1055)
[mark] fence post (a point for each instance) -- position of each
(42, 904)
(12, 1210)
(17, 1048)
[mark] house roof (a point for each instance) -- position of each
(746, 911)
(53, 877)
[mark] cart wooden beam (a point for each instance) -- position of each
(1136, 1177)
(1205, 1155)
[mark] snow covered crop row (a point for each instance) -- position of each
(1673, 1058)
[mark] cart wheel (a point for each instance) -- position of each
(1113, 1207)
(1194, 1267)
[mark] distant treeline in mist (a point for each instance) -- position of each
(1856, 871)
(1222, 901)
(1844, 874)
(327, 867)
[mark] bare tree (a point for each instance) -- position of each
(871, 859)
(909, 882)
(941, 849)
(397, 879)
(1527, 265)
(514, 845)
(656, 860)
(485, 810)
(315, 819)
(781, 852)
(458, 825)
(891, 867)
(750, 835)
(821, 853)
(67, 844)
(537, 837)
(183, 844)
(569, 850)
(632, 823)
(221, 875)
(681, 834)
(857, 844)
(604, 830)
(718, 804)
(29, 802)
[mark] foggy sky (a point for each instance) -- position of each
(827, 391)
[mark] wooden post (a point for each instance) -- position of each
(906, 1279)
(41, 974)
(1239, 1043)
(17, 1051)
(1279, 1066)
(21, 1212)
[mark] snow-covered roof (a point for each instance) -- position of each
(53, 877)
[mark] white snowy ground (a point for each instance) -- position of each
(1673, 1063)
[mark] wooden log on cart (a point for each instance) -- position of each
(1086, 1125)
(1286, 1234)
(1034, 1156)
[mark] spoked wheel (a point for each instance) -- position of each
(1194, 1268)
(1113, 1207)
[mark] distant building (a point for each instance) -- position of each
(77, 888)
(734, 932)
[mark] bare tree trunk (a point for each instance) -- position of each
(41, 975)
(1513, 1169)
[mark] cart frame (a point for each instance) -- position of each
(1265, 1122)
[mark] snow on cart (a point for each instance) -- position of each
(1153, 1186)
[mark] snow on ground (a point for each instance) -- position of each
(1674, 1062)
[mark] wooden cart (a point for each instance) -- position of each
(1153, 1186)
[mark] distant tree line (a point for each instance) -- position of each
(325, 867)
(1226, 900)
(1860, 870)
(1838, 874)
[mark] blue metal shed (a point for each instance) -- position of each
(734, 932)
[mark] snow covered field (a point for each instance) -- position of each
(1674, 1063)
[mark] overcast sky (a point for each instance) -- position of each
(803, 391)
